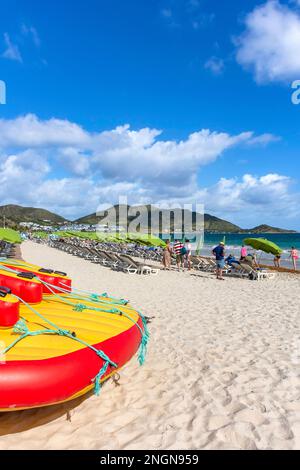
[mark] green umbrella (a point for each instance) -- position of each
(10, 236)
(264, 245)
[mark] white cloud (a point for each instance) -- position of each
(12, 51)
(121, 153)
(58, 165)
(29, 131)
(74, 161)
(263, 139)
(270, 44)
(250, 191)
(20, 176)
(252, 200)
(133, 155)
(215, 65)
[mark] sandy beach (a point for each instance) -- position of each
(222, 371)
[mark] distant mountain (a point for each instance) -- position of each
(119, 213)
(268, 229)
(214, 224)
(211, 223)
(16, 214)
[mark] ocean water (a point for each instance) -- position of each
(284, 240)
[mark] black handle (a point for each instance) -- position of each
(60, 273)
(4, 291)
(26, 275)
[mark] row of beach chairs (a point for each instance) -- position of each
(116, 261)
(121, 257)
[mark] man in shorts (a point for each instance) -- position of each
(177, 249)
(219, 253)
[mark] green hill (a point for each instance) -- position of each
(15, 214)
(211, 223)
(268, 229)
(214, 224)
(119, 214)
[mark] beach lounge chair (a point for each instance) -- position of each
(207, 264)
(142, 268)
(196, 262)
(124, 265)
(257, 274)
(119, 264)
(238, 270)
(108, 259)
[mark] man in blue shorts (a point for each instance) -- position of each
(219, 253)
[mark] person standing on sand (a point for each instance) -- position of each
(294, 256)
(188, 254)
(177, 248)
(243, 253)
(219, 253)
(277, 260)
(167, 255)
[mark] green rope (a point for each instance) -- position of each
(71, 295)
(81, 307)
(97, 297)
(22, 329)
(94, 298)
(97, 379)
(144, 343)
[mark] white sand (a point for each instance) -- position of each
(222, 370)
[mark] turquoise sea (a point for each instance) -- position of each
(284, 240)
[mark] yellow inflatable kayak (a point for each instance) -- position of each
(64, 346)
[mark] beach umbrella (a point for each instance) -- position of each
(10, 236)
(264, 245)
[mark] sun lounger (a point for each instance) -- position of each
(238, 270)
(108, 259)
(197, 263)
(124, 265)
(142, 268)
(257, 274)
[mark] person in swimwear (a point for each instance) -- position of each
(294, 255)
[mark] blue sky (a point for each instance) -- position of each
(162, 100)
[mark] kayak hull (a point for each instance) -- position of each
(54, 354)
(32, 384)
